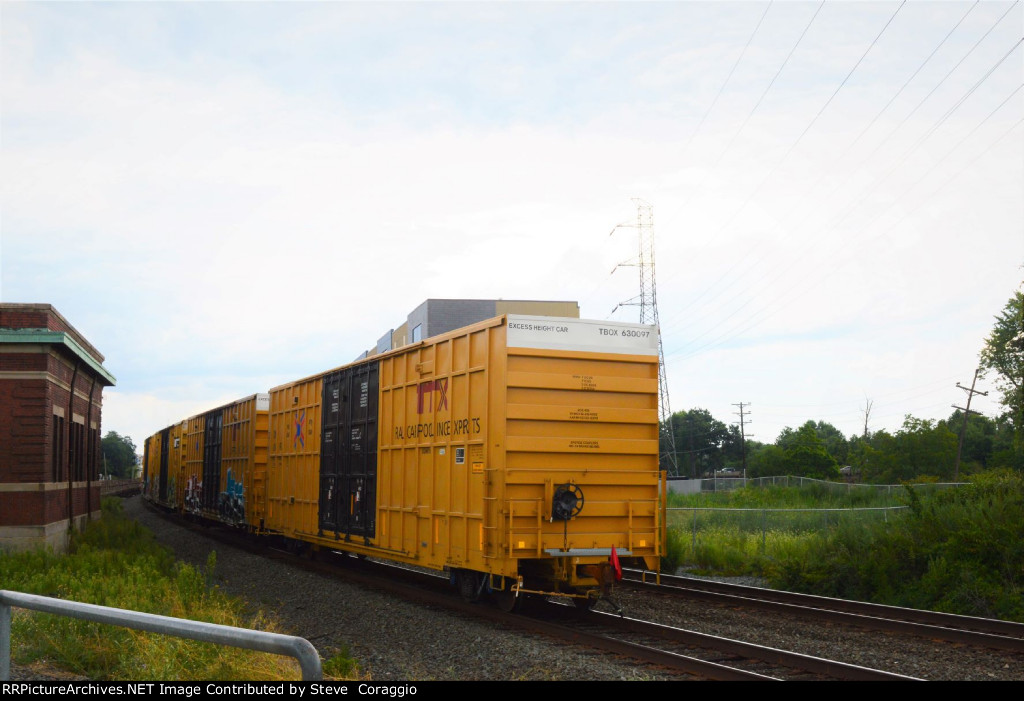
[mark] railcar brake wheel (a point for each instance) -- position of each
(567, 501)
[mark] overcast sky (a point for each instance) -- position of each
(223, 197)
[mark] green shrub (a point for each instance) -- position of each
(959, 550)
(116, 562)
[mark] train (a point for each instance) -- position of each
(519, 455)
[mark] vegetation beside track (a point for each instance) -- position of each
(956, 550)
(116, 562)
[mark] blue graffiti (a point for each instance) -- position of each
(232, 501)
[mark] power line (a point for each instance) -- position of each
(727, 79)
(813, 121)
(908, 81)
(944, 78)
(850, 210)
(779, 222)
(778, 164)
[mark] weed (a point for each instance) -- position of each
(116, 562)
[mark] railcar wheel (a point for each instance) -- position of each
(468, 584)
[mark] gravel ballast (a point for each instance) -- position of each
(395, 640)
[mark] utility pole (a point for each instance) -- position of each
(743, 437)
(867, 416)
(689, 433)
(647, 300)
(967, 412)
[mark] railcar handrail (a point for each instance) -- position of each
(276, 643)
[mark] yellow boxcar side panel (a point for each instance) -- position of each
(190, 484)
(293, 465)
(242, 493)
(176, 461)
(434, 416)
(150, 487)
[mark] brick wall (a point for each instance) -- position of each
(43, 316)
(24, 437)
(33, 508)
(35, 386)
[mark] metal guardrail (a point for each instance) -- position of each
(119, 487)
(290, 645)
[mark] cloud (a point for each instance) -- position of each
(218, 198)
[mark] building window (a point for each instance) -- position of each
(58, 446)
(91, 455)
(417, 333)
(76, 453)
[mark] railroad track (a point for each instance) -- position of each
(671, 651)
(983, 632)
(707, 656)
(683, 653)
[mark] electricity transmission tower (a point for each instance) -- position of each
(647, 300)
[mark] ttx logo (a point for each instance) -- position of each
(425, 393)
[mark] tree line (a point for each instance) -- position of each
(118, 456)
(919, 449)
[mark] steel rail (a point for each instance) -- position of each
(786, 658)
(986, 632)
(431, 589)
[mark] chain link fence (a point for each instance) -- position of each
(725, 484)
(713, 533)
(698, 520)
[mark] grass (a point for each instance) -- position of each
(957, 550)
(116, 562)
(812, 495)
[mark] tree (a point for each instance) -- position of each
(921, 448)
(835, 442)
(807, 456)
(983, 439)
(875, 459)
(1004, 354)
(699, 439)
(733, 447)
(118, 455)
(766, 461)
(832, 438)
(925, 448)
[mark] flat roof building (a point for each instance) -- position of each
(437, 316)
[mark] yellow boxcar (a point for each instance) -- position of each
(241, 493)
(221, 463)
(163, 465)
(516, 453)
(190, 482)
(151, 466)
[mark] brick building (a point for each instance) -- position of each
(49, 435)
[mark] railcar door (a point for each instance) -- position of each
(348, 452)
(164, 440)
(211, 459)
